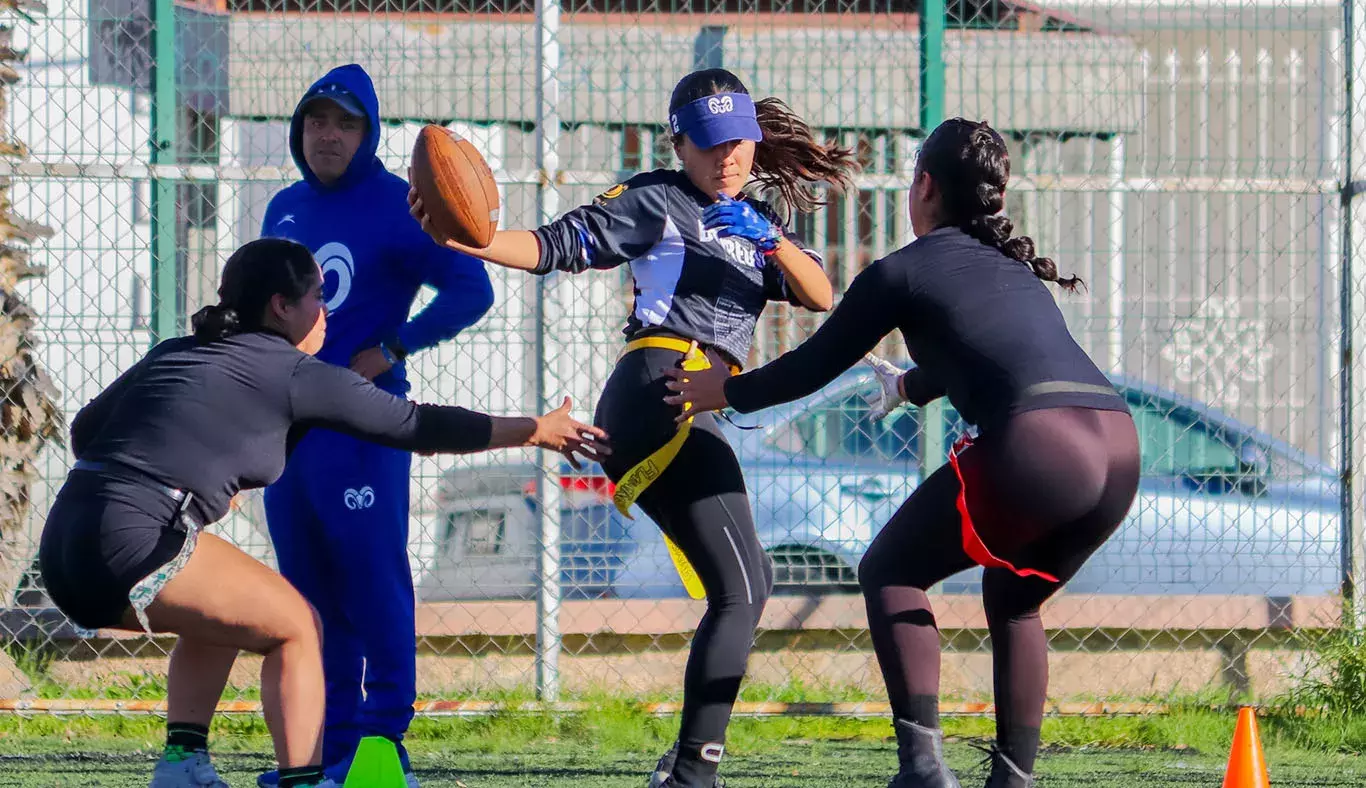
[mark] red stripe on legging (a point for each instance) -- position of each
(972, 543)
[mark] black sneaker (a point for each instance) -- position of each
(920, 752)
(1005, 774)
(662, 776)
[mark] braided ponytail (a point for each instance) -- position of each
(995, 231)
(971, 166)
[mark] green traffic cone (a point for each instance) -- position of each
(376, 765)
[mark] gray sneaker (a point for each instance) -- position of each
(193, 771)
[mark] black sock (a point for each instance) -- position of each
(697, 764)
(1020, 745)
(188, 736)
(301, 776)
(923, 710)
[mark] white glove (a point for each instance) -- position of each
(889, 379)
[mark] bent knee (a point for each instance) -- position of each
(297, 622)
(876, 572)
(1009, 599)
(872, 573)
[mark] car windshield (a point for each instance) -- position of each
(843, 429)
(1172, 442)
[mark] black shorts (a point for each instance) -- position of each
(103, 535)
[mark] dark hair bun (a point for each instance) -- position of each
(215, 322)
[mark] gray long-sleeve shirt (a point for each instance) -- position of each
(214, 418)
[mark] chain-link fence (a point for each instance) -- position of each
(1186, 158)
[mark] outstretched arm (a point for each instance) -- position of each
(919, 389)
(615, 228)
(866, 314)
(329, 396)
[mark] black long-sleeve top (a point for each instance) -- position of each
(981, 327)
(214, 418)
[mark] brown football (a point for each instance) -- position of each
(457, 187)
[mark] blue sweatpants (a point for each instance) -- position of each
(338, 518)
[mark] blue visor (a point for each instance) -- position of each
(710, 121)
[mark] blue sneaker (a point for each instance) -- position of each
(271, 779)
(337, 771)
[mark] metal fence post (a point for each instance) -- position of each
(548, 642)
(1353, 287)
(1116, 253)
(933, 18)
(165, 129)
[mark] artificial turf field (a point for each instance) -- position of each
(818, 764)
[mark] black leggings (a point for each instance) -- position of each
(700, 502)
(1044, 492)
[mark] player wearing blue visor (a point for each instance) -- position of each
(705, 259)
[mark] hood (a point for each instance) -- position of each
(351, 79)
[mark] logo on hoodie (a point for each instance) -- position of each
(363, 498)
(339, 267)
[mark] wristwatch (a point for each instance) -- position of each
(394, 351)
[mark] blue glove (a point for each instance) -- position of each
(738, 218)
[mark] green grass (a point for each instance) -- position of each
(806, 763)
(617, 744)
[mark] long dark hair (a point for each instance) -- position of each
(253, 275)
(789, 160)
(971, 166)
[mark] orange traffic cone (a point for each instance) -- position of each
(1246, 763)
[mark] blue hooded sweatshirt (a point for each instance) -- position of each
(374, 256)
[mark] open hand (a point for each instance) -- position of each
(559, 432)
(700, 390)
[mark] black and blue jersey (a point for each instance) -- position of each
(688, 281)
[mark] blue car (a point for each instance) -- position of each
(1222, 508)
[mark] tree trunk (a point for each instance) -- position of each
(29, 410)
